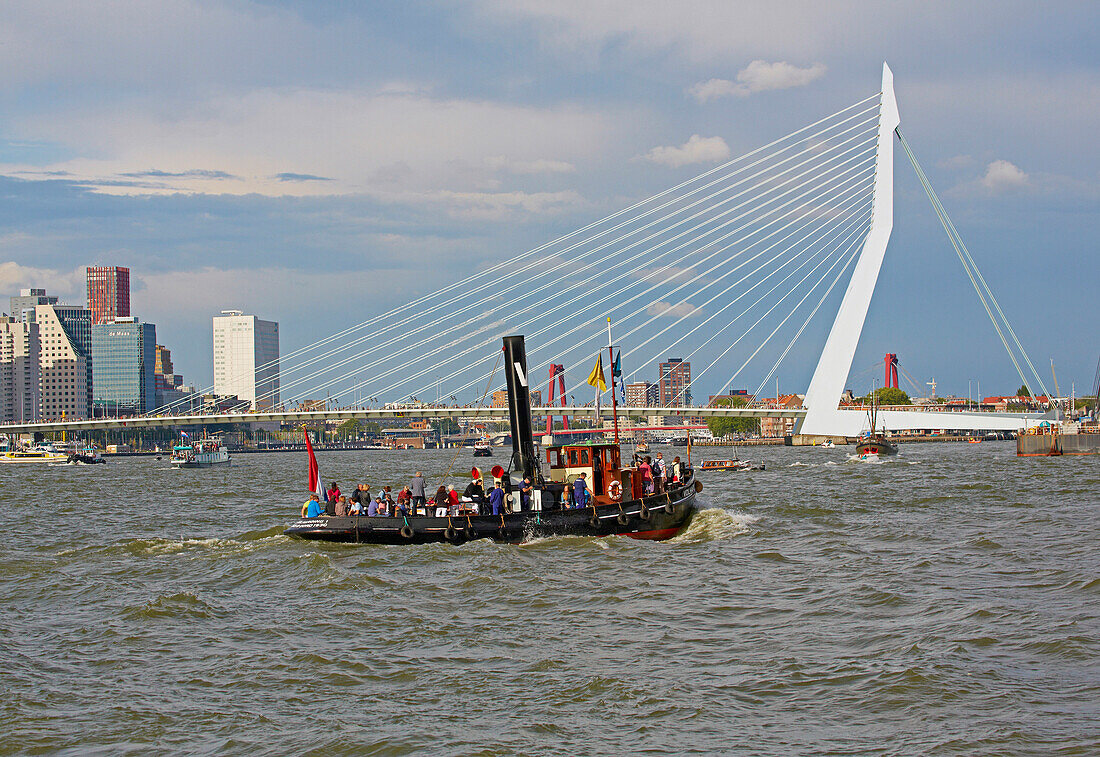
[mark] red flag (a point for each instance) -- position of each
(314, 477)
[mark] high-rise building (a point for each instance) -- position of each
(169, 385)
(641, 394)
(246, 358)
(123, 359)
(108, 293)
(27, 300)
(20, 377)
(674, 382)
(64, 332)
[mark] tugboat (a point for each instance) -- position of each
(616, 502)
(483, 447)
(204, 453)
(871, 443)
(86, 456)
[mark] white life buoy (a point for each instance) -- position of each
(615, 490)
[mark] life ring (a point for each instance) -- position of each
(615, 491)
(406, 531)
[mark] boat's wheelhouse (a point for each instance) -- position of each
(602, 465)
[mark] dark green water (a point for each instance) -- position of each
(947, 602)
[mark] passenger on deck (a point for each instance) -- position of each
(646, 472)
(418, 488)
(658, 471)
(404, 496)
(496, 500)
(677, 471)
(580, 491)
(361, 495)
(342, 507)
(356, 506)
(333, 492)
(372, 508)
(525, 494)
(384, 508)
(312, 508)
(440, 501)
(474, 491)
(452, 500)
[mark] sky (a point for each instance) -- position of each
(318, 163)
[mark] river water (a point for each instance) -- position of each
(944, 602)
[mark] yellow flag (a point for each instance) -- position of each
(596, 377)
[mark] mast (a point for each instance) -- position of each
(611, 362)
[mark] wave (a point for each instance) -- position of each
(715, 523)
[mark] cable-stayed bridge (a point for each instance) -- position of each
(728, 268)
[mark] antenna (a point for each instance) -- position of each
(932, 384)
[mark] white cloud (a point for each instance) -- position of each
(68, 285)
(354, 140)
(1000, 174)
(696, 150)
(526, 167)
(679, 310)
(758, 76)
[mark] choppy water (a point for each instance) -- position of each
(946, 602)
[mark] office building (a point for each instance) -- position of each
(641, 394)
(64, 333)
(20, 377)
(123, 360)
(108, 293)
(28, 299)
(674, 383)
(246, 359)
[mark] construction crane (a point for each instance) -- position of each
(1096, 392)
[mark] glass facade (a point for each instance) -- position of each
(123, 359)
(108, 293)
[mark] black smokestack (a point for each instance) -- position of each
(519, 407)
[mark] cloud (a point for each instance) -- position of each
(679, 310)
(311, 142)
(758, 76)
(538, 166)
(300, 177)
(696, 150)
(68, 285)
(1001, 175)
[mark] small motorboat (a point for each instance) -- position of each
(86, 456)
(735, 464)
(828, 444)
(483, 447)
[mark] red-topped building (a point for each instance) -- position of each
(108, 293)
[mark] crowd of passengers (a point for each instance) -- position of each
(413, 499)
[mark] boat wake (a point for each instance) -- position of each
(715, 523)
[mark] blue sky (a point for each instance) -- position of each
(317, 163)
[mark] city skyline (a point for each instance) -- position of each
(196, 176)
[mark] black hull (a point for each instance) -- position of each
(876, 446)
(656, 517)
(483, 453)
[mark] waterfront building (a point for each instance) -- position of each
(108, 293)
(20, 370)
(674, 382)
(123, 361)
(64, 332)
(28, 299)
(500, 398)
(641, 394)
(246, 359)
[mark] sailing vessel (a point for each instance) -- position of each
(614, 499)
(872, 443)
(205, 453)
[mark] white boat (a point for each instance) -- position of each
(828, 444)
(43, 453)
(204, 453)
